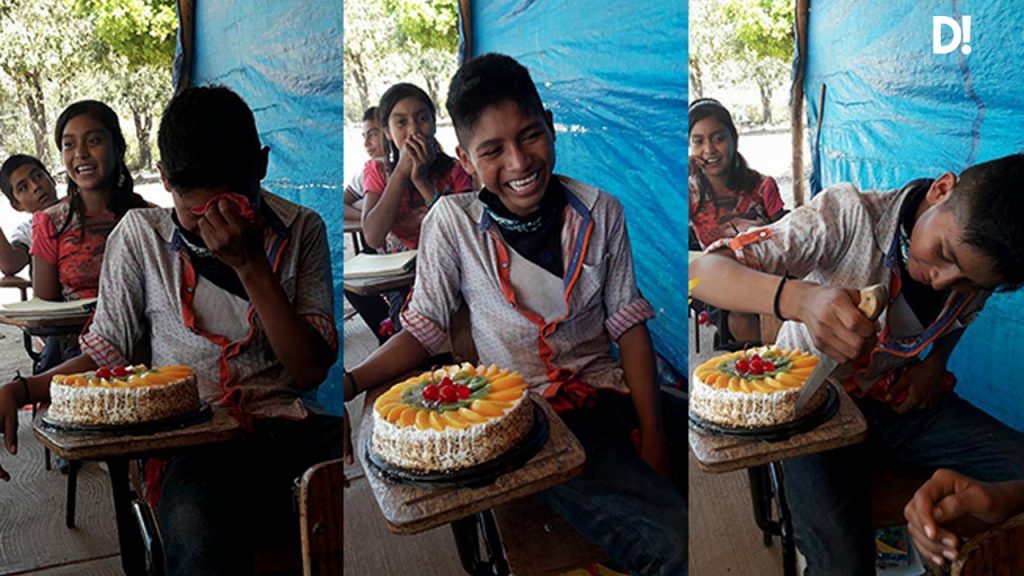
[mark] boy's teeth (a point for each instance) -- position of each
(524, 182)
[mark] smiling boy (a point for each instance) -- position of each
(941, 246)
(544, 265)
(30, 188)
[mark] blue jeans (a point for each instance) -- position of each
(619, 503)
(219, 504)
(830, 493)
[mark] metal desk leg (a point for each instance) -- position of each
(767, 489)
(469, 533)
(132, 559)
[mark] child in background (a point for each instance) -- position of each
(726, 196)
(413, 174)
(373, 144)
(30, 188)
(543, 263)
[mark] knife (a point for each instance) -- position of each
(872, 302)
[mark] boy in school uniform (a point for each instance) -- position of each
(544, 265)
(941, 246)
(29, 188)
(247, 303)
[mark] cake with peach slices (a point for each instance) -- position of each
(123, 395)
(451, 418)
(753, 388)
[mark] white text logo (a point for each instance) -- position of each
(961, 34)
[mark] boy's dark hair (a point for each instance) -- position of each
(13, 163)
(370, 114)
(485, 81)
(993, 221)
(122, 187)
(208, 138)
(741, 175)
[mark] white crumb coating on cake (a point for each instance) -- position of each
(451, 449)
(747, 409)
(103, 405)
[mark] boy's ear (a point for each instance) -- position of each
(941, 189)
(550, 121)
(264, 161)
(15, 204)
(464, 160)
(163, 177)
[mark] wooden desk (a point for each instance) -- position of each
(409, 509)
(16, 282)
(719, 454)
(374, 286)
(117, 450)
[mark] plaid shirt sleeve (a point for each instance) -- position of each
(120, 318)
(314, 288)
(812, 237)
(436, 294)
(624, 306)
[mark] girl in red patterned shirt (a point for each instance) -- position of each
(726, 196)
(68, 238)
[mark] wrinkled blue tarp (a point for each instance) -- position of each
(895, 111)
(614, 76)
(285, 59)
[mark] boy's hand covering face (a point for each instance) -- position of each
(233, 238)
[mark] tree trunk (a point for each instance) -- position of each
(359, 75)
(37, 114)
(766, 101)
(143, 125)
(696, 80)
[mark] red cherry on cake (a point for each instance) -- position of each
(769, 367)
(756, 366)
(431, 393)
(446, 381)
(742, 365)
(462, 391)
(448, 394)
(104, 372)
(119, 372)
(755, 358)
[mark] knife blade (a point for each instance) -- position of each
(872, 302)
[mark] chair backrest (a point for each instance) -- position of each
(320, 519)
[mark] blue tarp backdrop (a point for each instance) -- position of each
(894, 111)
(614, 76)
(285, 59)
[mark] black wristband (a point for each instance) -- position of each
(778, 296)
(24, 386)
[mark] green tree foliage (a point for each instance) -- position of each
(763, 42)
(41, 48)
(134, 42)
(389, 41)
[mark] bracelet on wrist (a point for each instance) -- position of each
(346, 378)
(778, 297)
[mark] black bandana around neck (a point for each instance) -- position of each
(537, 236)
(206, 264)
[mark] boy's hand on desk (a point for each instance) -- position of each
(919, 387)
(234, 240)
(830, 313)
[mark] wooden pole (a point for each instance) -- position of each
(797, 104)
(466, 10)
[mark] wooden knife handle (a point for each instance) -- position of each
(873, 300)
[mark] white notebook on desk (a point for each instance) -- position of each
(379, 265)
(37, 308)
